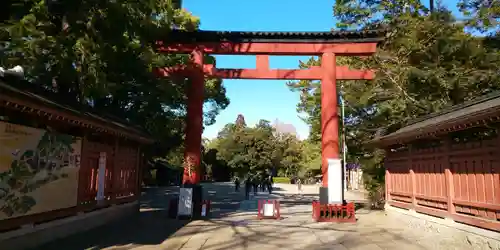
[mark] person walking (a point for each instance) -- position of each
(248, 187)
(236, 184)
(269, 184)
(255, 184)
(299, 186)
(263, 184)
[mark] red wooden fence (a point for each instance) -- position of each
(455, 176)
(122, 163)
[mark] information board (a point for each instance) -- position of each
(185, 207)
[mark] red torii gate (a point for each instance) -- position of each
(327, 45)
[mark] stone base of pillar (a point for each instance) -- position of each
(323, 195)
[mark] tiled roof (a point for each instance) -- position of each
(265, 36)
(32, 93)
(484, 106)
(464, 108)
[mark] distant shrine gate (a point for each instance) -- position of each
(327, 45)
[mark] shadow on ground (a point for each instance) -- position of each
(150, 226)
(229, 228)
(252, 234)
(290, 200)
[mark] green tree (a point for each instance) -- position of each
(247, 150)
(311, 156)
(103, 55)
(481, 15)
(426, 63)
(288, 155)
(258, 150)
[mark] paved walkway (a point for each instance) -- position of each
(241, 230)
(235, 226)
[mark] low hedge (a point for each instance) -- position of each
(281, 180)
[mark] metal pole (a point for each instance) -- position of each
(344, 176)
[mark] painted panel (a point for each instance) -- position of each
(38, 170)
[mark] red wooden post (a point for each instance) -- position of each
(194, 122)
(329, 114)
(388, 186)
(138, 173)
(413, 178)
(262, 62)
(115, 174)
(448, 175)
(83, 173)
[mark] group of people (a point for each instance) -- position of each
(254, 183)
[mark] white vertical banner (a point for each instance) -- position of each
(101, 176)
(335, 179)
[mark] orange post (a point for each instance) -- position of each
(329, 114)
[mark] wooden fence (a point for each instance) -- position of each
(122, 168)
(456, 176)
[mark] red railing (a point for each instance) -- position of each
(121, 178)
(333, 212)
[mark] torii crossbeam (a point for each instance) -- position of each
(327, 45)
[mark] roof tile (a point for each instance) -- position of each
(269, 36)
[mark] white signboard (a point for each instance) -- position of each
(335, 189)
(268, 210)
(101, 176)
(185, 207)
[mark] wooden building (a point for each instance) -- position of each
(447, 164)
(63, 167)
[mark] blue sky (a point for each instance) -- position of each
(262, 99)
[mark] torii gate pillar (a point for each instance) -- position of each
(194, 123)
(329, 114)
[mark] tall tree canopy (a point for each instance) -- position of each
(482, 15)
(246, 150)
(102, 54)
(426, 62)
(257, 150)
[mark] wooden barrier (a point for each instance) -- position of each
(263, 209)
(333, 212)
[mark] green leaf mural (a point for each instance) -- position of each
(35, 168)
